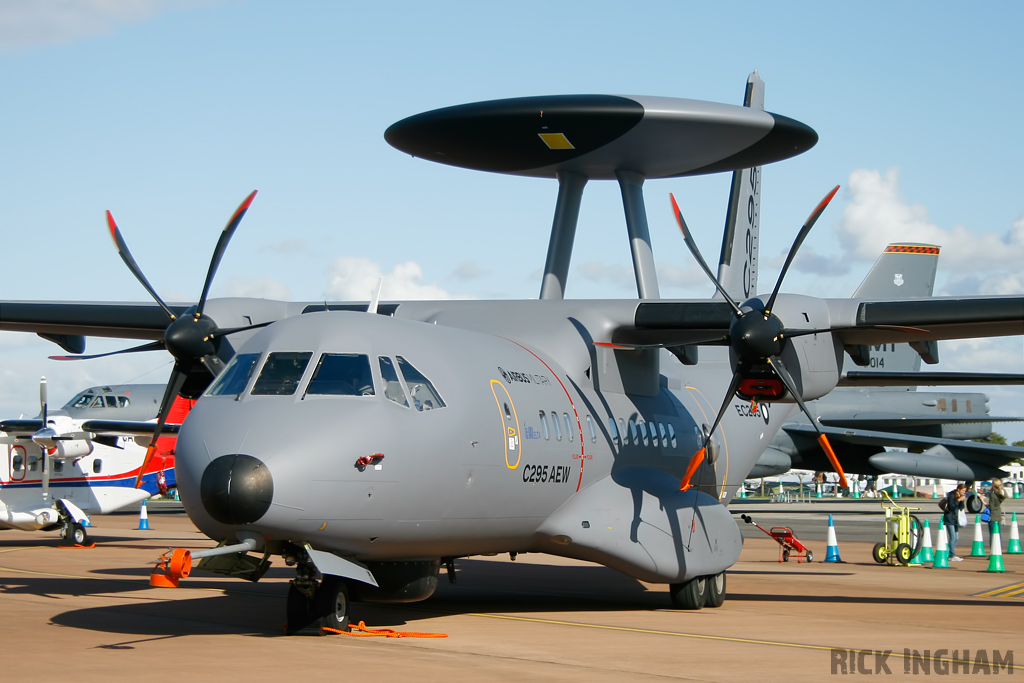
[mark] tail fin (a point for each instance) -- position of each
(737, 267)
(903, 271)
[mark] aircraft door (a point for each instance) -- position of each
(509, 424)
(17, 461)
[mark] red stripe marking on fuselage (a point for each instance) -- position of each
(579, 425)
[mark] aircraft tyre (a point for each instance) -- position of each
(78, 534)
(715, 590)
(332, 603)
(690, 595)
(974, 504)
(876, 553)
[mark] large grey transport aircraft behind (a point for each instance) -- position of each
(367, 445)
(862, 421)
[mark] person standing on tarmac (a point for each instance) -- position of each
(956, 500)
(996, 496)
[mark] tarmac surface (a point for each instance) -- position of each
(90, 615)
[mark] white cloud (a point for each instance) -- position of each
(468, 270)
(260, 288)
(614, 274)
(877, 215)
(26, 23)
(357, 278)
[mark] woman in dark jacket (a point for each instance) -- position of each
(955, 500)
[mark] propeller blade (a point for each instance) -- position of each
(893, 328)
(787, 379)
(222, 245)
(42, 400)
(151, 346)
(696, 254)
(808, 224)
(174, 384)
(126, 256)
(232, 330)
(695, 461)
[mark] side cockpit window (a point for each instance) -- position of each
(424, 396)
(341, 374)
(392, 386)
(235, 376)
(81, 401)
(281, 373)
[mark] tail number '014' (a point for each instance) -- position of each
(540, 474)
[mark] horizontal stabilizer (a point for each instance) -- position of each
(860, 378)
(127, 427)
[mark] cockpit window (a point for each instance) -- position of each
(111, 401)
(80, 401)
(122, 401)
(98, 403)
(342, 374)
(392, 387)
(424, 396)
(281, 373)
(235, 376)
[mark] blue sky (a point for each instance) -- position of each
(169, 112)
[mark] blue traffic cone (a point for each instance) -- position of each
(143, 518)
(832, 554)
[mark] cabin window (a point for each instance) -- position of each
(661, 431)
(954, 405)
(632, 432)
(942, 404)
(281, 373)
(612, 429)
(424, 396)
(968, 401)
(654, 435)
(558, 429)
(97, 466)
(568, 426)
(623, 432)
(235, 376)
(341, 374)
(643, 432)
(33, 463)
(544, 426)
(672, 434)
(58, 465)
(593, 432)
(18, 463)
(393, 390)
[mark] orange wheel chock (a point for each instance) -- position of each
(175, 564)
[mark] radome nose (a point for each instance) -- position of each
(236, 489)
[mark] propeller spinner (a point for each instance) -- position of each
(756, 339)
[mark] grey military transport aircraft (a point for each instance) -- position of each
(862, 421)
(368, 444)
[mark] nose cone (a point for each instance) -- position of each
(236, 489)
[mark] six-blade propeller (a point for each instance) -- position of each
(756, 339)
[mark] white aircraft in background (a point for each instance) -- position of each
(60, 469)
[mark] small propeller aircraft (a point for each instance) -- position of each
(61, 468)
(367, 444)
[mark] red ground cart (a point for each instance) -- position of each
(784, 536)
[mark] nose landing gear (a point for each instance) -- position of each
(316, 608)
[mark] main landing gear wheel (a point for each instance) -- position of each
(690, 595)
(327, 608)
(716, 590)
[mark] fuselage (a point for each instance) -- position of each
(529, 415)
